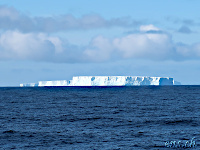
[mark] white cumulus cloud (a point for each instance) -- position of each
(16, 45)
(150, 27)
(21, 46)
(138, 45)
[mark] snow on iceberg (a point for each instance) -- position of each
(107, 81)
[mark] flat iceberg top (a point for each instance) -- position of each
(107, 81)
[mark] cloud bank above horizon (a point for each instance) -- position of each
(11, 19)
(31, 38)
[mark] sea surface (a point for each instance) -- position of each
(105, 118)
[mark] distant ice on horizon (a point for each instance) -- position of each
(106, 81)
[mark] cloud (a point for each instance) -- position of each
(154, 46)
(144, 45)
(146, 28)
(188, 51)
(151, 43)
(16, 45)
(185, 29)
(11, 19)
(100, 49)
(188, 22)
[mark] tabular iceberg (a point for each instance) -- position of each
(105, 81)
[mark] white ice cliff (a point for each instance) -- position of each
(106, 81)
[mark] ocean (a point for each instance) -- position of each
(105, 118)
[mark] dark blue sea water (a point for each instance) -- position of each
(141, 117)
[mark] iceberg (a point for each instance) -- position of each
(106, 81)
(29, 85)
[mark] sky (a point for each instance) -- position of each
(56, 40)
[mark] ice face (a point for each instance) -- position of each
(53, 83)
(119, 81)
(29, 85)
(107, 81)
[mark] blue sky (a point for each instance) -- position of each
(55, 40)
